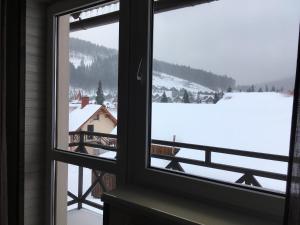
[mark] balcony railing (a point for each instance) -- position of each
(79, 141)
(248, 174)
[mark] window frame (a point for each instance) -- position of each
(54, 155)
(222, 193)
(134, 114)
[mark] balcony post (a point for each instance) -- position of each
(81, 147)
(208, 156)
(80, 186)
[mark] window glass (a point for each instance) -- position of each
(87, 82)
(79, 191)
(222, 90)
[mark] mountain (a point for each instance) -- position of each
(207, 79)
(163, 80)
(90, 63)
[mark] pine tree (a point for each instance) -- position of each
(185, 97)
(164, 98)
(216, 97)
(229, 89)
(260, 90)
(100, 96)
(273, 89)
(266, 88)
(198, 97)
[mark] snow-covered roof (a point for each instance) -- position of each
(80, 115)
(73, 106)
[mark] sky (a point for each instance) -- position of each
(252, 41)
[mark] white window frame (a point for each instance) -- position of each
(54, 155)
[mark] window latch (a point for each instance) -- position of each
(139, 75)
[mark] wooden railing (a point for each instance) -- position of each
(248, 174)
(79, 141)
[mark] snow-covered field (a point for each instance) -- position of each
(258, 122)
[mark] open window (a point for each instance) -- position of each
(87, 81)
(84, 121)
(223, 91)
(204, 109)
(216, 100)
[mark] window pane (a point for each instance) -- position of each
(78, 194)
(222, 90)
(87, 82)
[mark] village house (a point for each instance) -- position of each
(91, 118)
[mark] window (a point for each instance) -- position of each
(196, 97)
(88, 73)
(90, 128)
(80, 191)
(84, 120)
(222, 90)
(200, 61)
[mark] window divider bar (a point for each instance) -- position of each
(86, 161)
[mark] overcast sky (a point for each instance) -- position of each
(252, 41)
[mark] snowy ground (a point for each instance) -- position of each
(258, 122)
(247, 121)
(87, 181)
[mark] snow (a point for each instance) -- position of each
(76, 58)
(258, 122)
(113, 111)
(168, 81)
(108, 155)
(115, 130)
(80, 115)
(73, 106)
(87, 181)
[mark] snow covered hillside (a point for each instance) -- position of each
(163, 80)
(76, 58)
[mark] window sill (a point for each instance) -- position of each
(178, 209)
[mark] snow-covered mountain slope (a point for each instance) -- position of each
(76, 58)
(160, 80)
(168, 81)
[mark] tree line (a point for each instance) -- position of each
(105, 68)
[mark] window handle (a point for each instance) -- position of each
(139, 75)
